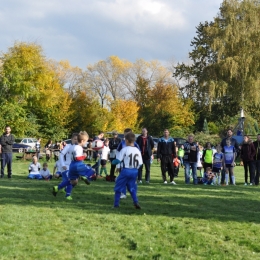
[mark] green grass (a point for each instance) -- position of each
(175, 222)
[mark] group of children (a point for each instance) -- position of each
(35, 171)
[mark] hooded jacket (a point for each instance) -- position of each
(247, 151)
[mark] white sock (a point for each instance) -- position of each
(233, 179)
(226, 177)
(219, 180)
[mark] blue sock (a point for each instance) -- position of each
(117, 198)
(63, 184)
(68, 190)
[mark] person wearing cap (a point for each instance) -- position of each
(113, 144)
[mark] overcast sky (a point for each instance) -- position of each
(85, 31)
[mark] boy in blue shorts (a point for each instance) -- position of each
(218, 163)
(130, 160)
(229, 152)
(77, 168)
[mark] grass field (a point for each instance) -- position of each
(175, 222)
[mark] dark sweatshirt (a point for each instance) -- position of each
(247, 151)
(7, 143)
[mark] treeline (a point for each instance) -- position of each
(43, 97)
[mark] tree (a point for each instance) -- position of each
(224, 73)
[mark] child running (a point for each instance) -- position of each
(229, 161)
(130, 159)
(218, 163)
(104, 156)
(45, 173)
(77, 168)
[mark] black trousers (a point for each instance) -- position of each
(167, 165)
(257, 171)
(251, 167)
(113, 168)
(147, 164)
(6, 159)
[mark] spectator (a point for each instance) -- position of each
(229, 152)
(199, 161)
(165, 154)
(257, 159)
(207, 157)
(247, 156)
(34, 169)
(56, 149)
(38, 148)
(7, 141)
(208, 177)
(48, 150)
(190, 159)
(233, 143)
(181, 154)
(45, 173)
(146, 145)
(97, 154)
(113, 144)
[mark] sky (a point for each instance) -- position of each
(87, 31)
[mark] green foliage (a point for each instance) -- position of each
(203, 138)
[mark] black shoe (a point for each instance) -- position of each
(137, 206)
(2, 176)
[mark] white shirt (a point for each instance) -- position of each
(58, 166)
(45, 173)
(76, 152)
(105, 152)
(34, 168)
(66, 151)
(130, 157)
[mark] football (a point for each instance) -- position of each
(97, 145)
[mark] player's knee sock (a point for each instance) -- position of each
(101, 170)
(219, 179)
(68, 190)
(133, 195)
(117, 198)
(233, 179)
(105, 170)
(63, 185)
(226, 178)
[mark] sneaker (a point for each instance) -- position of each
(55, 190)
(85, 180)
(69, 198)
(173, 182)
(147, 182)
(63, 190)
(245, 184)
(137, 206)
(123, 196)
(165, 182)
(140, 182)
(251, 184)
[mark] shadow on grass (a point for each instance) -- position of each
(234, 203)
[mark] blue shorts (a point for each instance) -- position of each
(126, 178)
(78, 169)
(34, 176)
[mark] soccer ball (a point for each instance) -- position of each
(97, 145)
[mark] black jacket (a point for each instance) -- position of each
(7, 143)
(257, 150)
(146, 151)
(166, 148)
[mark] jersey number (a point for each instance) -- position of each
(134, 162)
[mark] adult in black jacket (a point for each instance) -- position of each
(257, 159)
(7, 141)
(113, 144)
(166, 151)
(146, 145)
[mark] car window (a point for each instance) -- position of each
(24, 141)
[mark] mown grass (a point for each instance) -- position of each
(175, 222)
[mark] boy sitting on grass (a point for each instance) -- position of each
(34, 169)
(77, 168)
(209, 177)
(130, 159)
(45, 173)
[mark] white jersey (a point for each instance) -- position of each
(65, 152)
(77, 153)
(130, 157)
(45, 173)
(105, 152)
(34, 168)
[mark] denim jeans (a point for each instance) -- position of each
(193, 167)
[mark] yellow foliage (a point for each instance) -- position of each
(124, 114)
